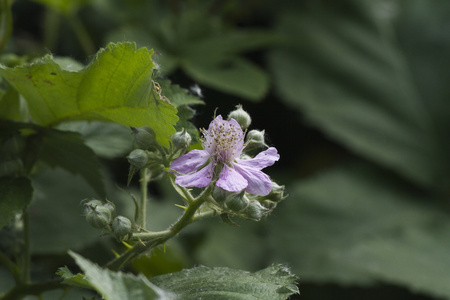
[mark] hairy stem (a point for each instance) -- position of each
(145, 177)
(153, 239)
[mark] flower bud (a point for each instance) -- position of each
(276, 194)
(181, 139)
(138, 158)
(255, 211)
(109, 205)
(99, 217)
(144, 137)
(90, 205)
(241, 116)
(237, 202)
(255, 141)
(121, 227)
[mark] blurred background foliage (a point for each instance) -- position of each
(354, 95)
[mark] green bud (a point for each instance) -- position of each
(90, 205)
(255, 211)
(121, 227)
(138, 158)
(109, 205)
(99, 217)
(237, 202)
(254, 141)
(241, 116)
(144, 137)
(276, 194)
(181, 139)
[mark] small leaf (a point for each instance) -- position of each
(275, 282)
(115, 87)
(177, 95)
(15, 195)
(77, 280)
(117, 285)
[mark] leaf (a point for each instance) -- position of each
(77, 280)
(115, 87)
(117, 285)
(344, 71)
(107, 140)
(15, 195)
(355, 225)
(56, 215)
(275, 282)
(177, 95)
(11, 108)
(67, 150)
(235, 76)
(211, 52)
(65, 7)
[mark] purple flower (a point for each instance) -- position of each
(223, 144)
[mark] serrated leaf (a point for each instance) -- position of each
(115, 87)
(178, 95)
(77, 280)
(275, 282)
(15, 195)
(357, 226)
(117, 285)
(346, 73)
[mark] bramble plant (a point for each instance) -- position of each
(223, 179)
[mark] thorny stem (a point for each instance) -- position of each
(153, 239)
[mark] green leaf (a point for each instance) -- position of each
(15, 195)
(67, 150)
(107, 140)
(11, 107)
(275, 282)
(117, 285)
(235, 76)
(178, 95)
(115, 87)
(344, 71)
(65, 7)
(77, 280)
(357, 226)
(211, 52)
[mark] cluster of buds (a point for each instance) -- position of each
(245, 205)
(102, 216)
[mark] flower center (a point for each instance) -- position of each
(223, 140)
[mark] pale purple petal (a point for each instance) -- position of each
(262, 160)
(198, 179)
(231, 180)
(258, 182)
(190, 162)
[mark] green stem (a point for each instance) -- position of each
(145, 177)
(21, 290)
(27, 252)
(82, 34)
(51, 28)
(10, 266)
(157, 238)
(6, 23)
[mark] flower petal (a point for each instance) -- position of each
(258, 182)
(231, 180)
(199, 179)
(262, 160)
(190, 162)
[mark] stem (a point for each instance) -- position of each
(145, 176)
(82, 34)
(157, 238)
(51, 28)
(10, 266)
(5, 23)
(27, 252)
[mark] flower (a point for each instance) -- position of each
(223, 143)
